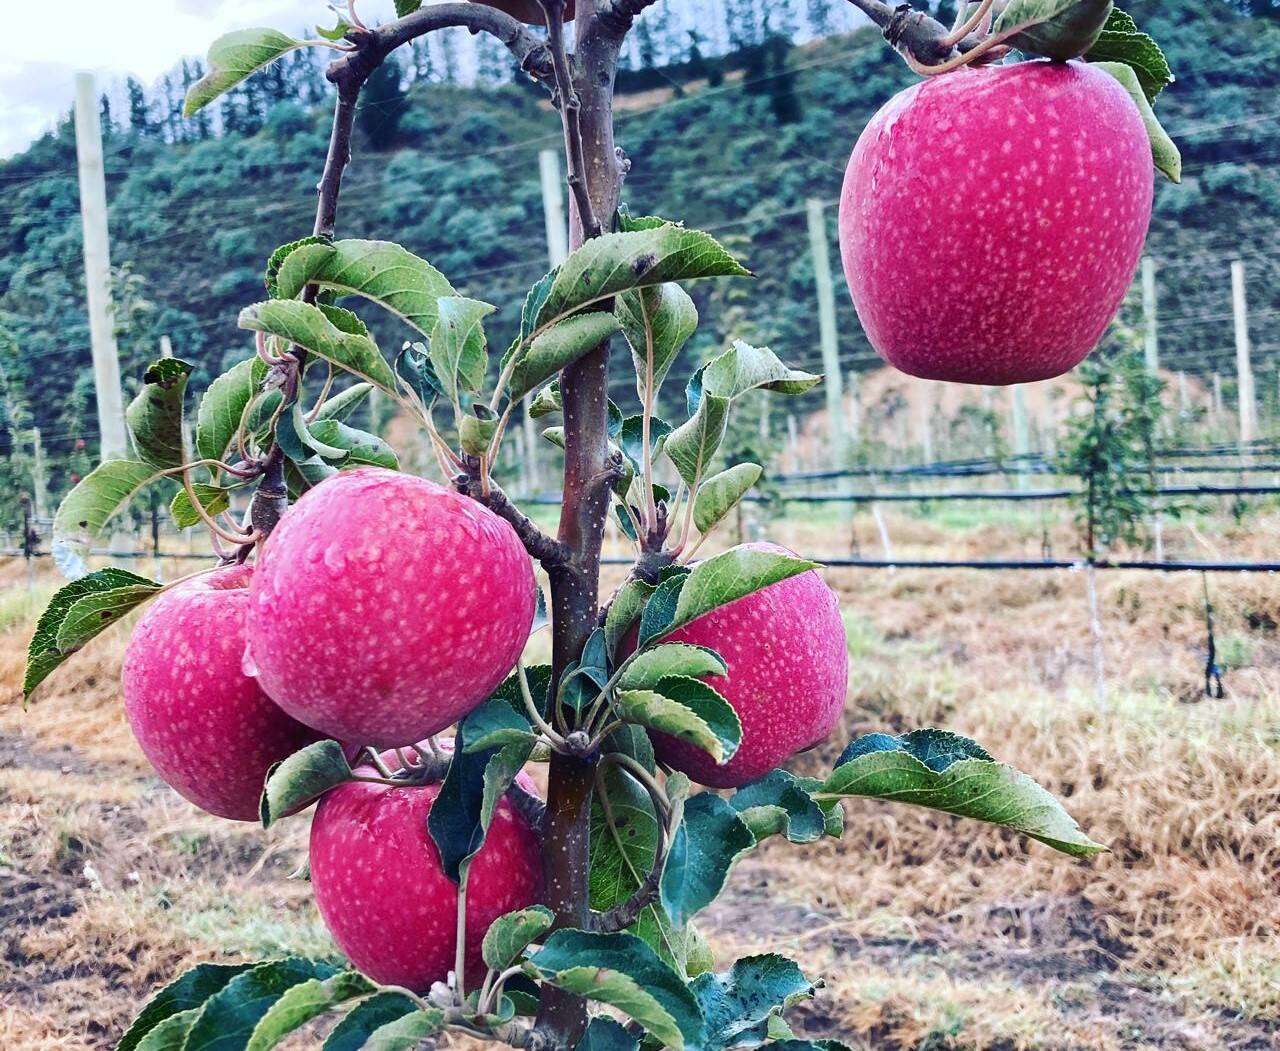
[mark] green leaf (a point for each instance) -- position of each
(343, 320)
(213, 498)
(703, 850)
(729, 576)
(155, 415)
(344, 403)
(302, 778)
(646, 669)
(384, 272)
(171, 1034)
(229, 1017)
(302, 1003)
(1121, 41)
(337, 32)
(497, 723)
(657, 323)
(407, 7)
(281, 254)
(631, 437)
(548, 400)
(406, 1033)
(355, 447)
(1164, 151)
(223, 405)
(605, 1034)
(309, 328)
(605, 266)
(477, 429)
(556, 348)
(622, 971)
(660, 611)
(688, 709)
(97, 498)
(509, 935)
(719, 494)
(475, 783)
(693, 445)
(188, 992)
(366, 1018)
(458, 349)
(626, 606)
(624, 841)
(743, 368)
(739, 1004)
(94, 613)
(944, 772)
(43, 652)
(1058, 29)
(779, 804)
(233, 58)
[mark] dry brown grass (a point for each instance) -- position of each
(932, 934)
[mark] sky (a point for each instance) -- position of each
(139, 37)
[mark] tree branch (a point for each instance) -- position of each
(913, 33)
(529, 49)
(547, 550)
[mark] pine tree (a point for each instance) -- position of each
(819, 15)
(105, 118)
(139, 110)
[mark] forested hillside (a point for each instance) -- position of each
(733, 144)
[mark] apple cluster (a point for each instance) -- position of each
(382, 610)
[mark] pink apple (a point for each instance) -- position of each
(382, 891)
(206, 726)
(386, 607)
(788, 669)
(992, 219)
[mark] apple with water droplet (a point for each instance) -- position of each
(992, 219)
(788, 669)
(385, 607)
(382, 891)
(207, 727)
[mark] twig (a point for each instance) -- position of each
(913, 33)
(570, 117)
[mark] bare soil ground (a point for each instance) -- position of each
(931, 934)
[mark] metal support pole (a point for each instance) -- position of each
(819, 246)
(557, 251)
(1244, 366)
(1152, 341)
(97, 271)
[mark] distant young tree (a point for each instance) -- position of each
(448, 55)
(384, 105)
(420, 64)
(139, 109)
(819, 15)
(104, 116)
(742, 23)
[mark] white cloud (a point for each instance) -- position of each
(142, 38)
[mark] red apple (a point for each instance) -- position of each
(206, 726)
(788, 669)
(386, 607)
(382, 891)
(992, 219)
(529, 11)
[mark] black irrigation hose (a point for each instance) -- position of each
(859, 563)
(1028, 564)
(1009, 495)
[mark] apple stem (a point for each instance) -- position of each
(460, 952)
